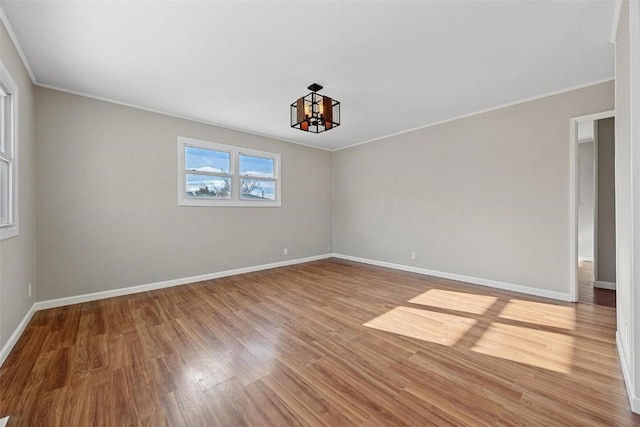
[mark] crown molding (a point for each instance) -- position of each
(177, 116)
(488, 110)
(7, 25)
(14, 39)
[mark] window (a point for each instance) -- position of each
(211, 174)
(8, 156)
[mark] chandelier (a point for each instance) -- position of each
(314, 112)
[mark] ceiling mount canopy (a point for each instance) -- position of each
(315, 113)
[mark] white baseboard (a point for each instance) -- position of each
(604, 285)
(585, 258)
(41, 305)
(634, 401)
(459, 277)
(13, 339)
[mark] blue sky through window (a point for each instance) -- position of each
(202, 160)
(212, 183)
(256, 166)
(232, 175)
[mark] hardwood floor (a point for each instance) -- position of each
(589, 294)
(330, 343)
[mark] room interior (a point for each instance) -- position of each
(415, 263)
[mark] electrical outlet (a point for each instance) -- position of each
(29, 287)
(413, 256)
(286, 251)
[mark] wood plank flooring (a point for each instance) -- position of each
(327, 343)
(587, 293)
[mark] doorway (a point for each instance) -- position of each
(593, 254)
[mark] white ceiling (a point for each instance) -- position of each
(394, 66)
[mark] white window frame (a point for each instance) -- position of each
(10, 154)
(234, 174)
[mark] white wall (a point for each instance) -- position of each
(624, 294)
(485, 196)
(108, 216)
(18, 254)
(632, 125)
(586, 199)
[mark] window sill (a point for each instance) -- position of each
(8, 232)
(227, 203)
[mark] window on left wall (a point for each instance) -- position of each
(8, 156)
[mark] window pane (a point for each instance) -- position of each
(202, 160)
(257, 189)
(208, 186)
(4, 192)
(256, 166)
(3, 122)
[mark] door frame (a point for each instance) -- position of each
(573, 197)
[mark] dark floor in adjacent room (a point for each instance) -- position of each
(589, 294)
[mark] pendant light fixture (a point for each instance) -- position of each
(315, 113)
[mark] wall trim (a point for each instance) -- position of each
(13, 339)
(487, 110)
(573, 196)
(59, 302)
(459, 277)
(452, 119)
(634, 400)
(14, 39)
(176, 116)
(585, 258)
(604, 285)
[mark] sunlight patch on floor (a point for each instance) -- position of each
(438, 328)
(556, 316)
(547, 350)
(459, 301)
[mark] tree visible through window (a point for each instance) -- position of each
(223, 175)
(208, 173)
(257, 177)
